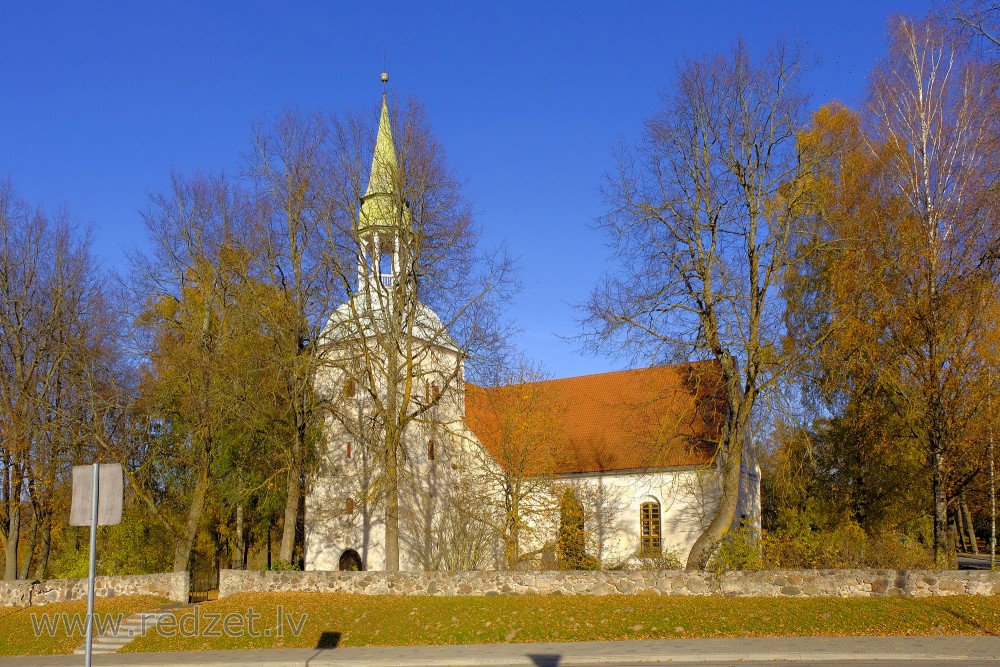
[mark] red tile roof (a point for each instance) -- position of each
(627, 420)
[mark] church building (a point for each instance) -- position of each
(423, 469)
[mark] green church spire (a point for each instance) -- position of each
(380, 206)
(384, 158)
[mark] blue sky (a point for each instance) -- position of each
(100, 101)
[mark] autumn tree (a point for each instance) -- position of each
(210, 388)
(289, 166)
(865, 460)
(56, 346)
(253, 461)
(571, 541)
(906, 288)
(704, 217)
(517, 419)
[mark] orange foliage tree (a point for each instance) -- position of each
(905, 288)
(518, 422)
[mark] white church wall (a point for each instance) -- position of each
(342, 506)
(687, 498)
(748, 502)
(349, 471)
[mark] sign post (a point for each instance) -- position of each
(97, 500)
(92, 569)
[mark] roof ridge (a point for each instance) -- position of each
(651, 417)
(605, 373)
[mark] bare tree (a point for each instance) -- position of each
(517, 421)
(421, 299)
(981, 19)
(52, 336)
(704, 215)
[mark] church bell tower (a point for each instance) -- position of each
(385, 214)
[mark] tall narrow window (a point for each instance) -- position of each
(430, 450)
(649, 529)
(349, 506)
(348, 449)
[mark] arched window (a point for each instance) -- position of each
(649, 529)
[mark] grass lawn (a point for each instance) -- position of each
(357, 620)
(25, 631)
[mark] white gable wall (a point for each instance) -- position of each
(611, 500)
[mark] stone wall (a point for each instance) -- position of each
(798, 583)
(27, 593)
(16, 593)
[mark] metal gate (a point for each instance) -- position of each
(204, 585)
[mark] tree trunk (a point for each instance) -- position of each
(236, 560)
(512, 525)
(952, 555)
(511, 542)
(185, 541)
(392, 506)
(957, 527)
(13, 537)
(705, 545)
(941, 556)
(32, 541)
(969, 525)
(294, 490)
(41, 569)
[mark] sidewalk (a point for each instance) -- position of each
(932, 650)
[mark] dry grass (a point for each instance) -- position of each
(18, 625)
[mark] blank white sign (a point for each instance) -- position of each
(109, 501)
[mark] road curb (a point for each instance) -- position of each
(930, 650)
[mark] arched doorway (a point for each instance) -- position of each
(350, 561)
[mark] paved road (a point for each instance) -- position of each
(979, 561)
(799, 650)
(821, 663)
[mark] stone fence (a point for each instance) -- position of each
(797, 583)
(27, 593)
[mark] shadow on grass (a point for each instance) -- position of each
(551, 660)
(328, 639)
(969, 620)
